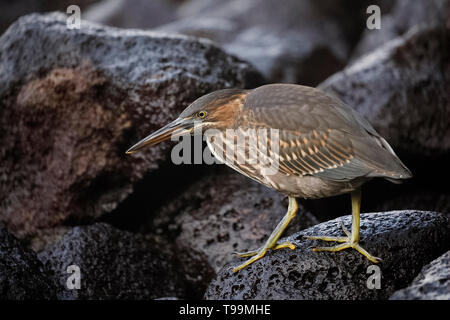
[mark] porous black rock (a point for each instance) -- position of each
(72, 101)
(405, 240)
(22, 275)
(432, 283)
(113, 264)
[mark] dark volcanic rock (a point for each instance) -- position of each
(402, 17)
(433, 282)
(141, 14)
(289, 41)
(22, 275)
(224, 213)
(113, 264)
(405, 240)
(403, 90)
(72, 102)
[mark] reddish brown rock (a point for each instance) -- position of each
(72, 102)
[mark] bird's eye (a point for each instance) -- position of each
(201, 114)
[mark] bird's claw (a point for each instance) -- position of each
(254, 258)
(258, 254)
(346, 243)
(251, 253)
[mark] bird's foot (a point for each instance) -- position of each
(277, 246)
(346, 243)
(259, 253)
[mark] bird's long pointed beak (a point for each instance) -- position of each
(176, 128)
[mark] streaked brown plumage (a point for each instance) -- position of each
(325, 147)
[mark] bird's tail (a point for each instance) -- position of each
(383, 162)
(394, 170)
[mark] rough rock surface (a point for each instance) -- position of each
(293, 41)
(22, 275)
(72, 101)
(224, 213)
(400, 19)
(433, 282)
(405, 240)
(114, 264)
(402, 89)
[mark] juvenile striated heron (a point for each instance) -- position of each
(325, 148)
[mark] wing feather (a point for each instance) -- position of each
(320, 135)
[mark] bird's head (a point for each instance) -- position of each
(216, 110)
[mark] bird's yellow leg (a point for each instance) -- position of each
(271, 243)
(352, 239)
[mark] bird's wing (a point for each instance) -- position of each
(320, 135)
(317, 153)
(301, 109)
